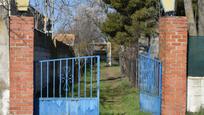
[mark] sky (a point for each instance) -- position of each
(60, 16)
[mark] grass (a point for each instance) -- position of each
(117, 97)
(201, 112)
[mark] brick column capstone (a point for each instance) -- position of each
(21, 65)
(173, 54)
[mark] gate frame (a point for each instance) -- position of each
(72, 98)
(147, 98)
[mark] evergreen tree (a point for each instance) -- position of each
(131, 20)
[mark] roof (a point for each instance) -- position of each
(65, 38)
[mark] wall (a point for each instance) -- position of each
(195, 95)
(27, 47)
(4, 62)
(21, 65)
(173, 55)
(195, 89)
(196, 56)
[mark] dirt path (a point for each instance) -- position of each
(117, 96)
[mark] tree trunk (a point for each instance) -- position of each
(190, 16)
(201, 17)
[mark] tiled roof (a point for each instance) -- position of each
(65, 38)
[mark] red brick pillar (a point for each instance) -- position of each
(173, 54)
(21, 65)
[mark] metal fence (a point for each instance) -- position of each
(72, 81)
(150, 84)
(149, 75)
(129, 65)
(61, 77)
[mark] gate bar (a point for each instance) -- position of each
(41, 79)
(67, 73)
(85, 79)
(91, 79)
(47, 79)
(60, 79)
(53, 78)
(79, 74)
(63, 70)
(73, 78)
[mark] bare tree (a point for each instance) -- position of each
(201, 17)
(191, 18)
(85, 25)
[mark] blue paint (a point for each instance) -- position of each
(85, 78)
(47, 79)
(67, 72)
(68, 106)
(41, 84)
(61, 103)
(79, 75)
(91, 77)
(73, 78)
(149, 103)
(150, 83)
(53, 79)
(74, 58)
(60, 84)
(98, 82)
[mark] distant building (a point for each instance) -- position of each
(67, 39)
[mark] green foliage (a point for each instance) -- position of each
(200, 112)
(132, 19)
(117, 96)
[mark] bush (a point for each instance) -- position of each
(200, 112)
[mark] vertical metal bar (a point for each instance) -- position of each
(66, 78)
(60, 84)
(98, 80)
(156, 77)
(160, 84)
(139, 71)
(72, 78)
(91, 79)
(160, 78)
(79, 74)
(85, 79)
(47, 78)
(53, 78)
(157, 74)
(41, 84)
(98, 76)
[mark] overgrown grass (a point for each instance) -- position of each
(201, 112)
(117, 96)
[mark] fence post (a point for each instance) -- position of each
(21, 65)
(173, 55)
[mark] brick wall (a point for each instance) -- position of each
(21, 65)
(173, 54)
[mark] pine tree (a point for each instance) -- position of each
(129, 21)
(133, 19)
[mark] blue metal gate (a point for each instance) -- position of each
(150, 83)
(69, 86)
